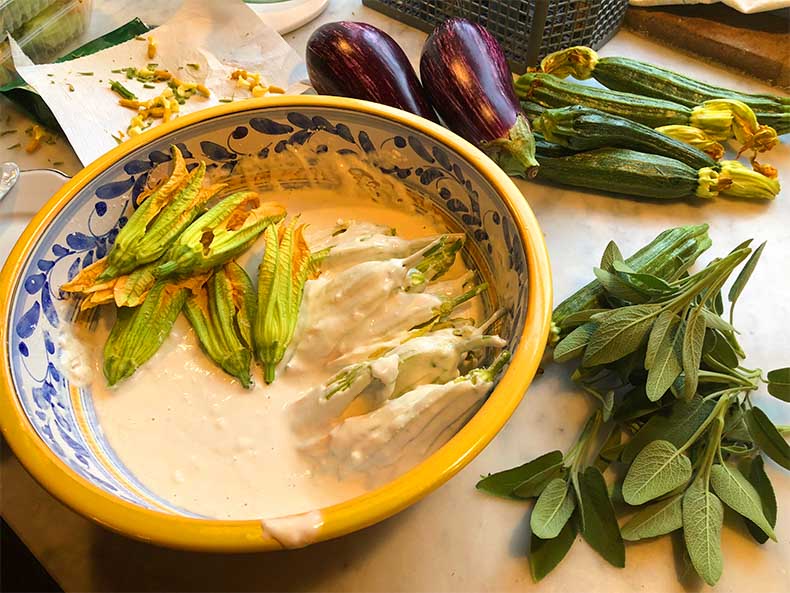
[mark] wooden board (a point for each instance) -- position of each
(756, 44)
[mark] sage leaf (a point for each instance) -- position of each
(641, 282)
(682, 422)
(715, 321)
(607, 406)
(524, 481)
(718, 305)
(617, 287)
(634, 404)
(779, 383)
(767, 437)
(576, 319)
(546, 554)
(610, 255)
(703, 515)
(734, 490)
(692, 353)
(740, 282)
(620, 334)
(716, 348)
(762, 484)
(553, 509)
(664, 323)
(664, 516)
(598, 523)
(659, 468)
(666, 365)
(573, 345)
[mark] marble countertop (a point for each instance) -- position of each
(458, 539)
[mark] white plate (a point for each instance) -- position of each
(286, 16)
(30, 193)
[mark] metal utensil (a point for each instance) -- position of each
(9, 174)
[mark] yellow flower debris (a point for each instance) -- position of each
(36, 134)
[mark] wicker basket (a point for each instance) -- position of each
(528, 30)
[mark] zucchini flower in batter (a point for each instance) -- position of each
(286, 265)
(410, 427)
(222, 314)
(225, 231)
(139, 332)
(430, 357)
(160, 219)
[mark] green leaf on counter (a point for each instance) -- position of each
(524, 481)
(576, 319)
(734, 490)
(779, 383)
(683, 420)
(598, 522)
(610, 255)
(666, 366)
(692, 353)
(573, 345)
(617, 287)
(703, 515)
(656, 519)
(620, 334)
(762, 484)
(767, 437)
(546, 554)
(553, 509)
(716, 347)
(659, 468)
(665, 322)
(740, 282)
(713, 320)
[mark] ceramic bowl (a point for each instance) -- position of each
(51, 424)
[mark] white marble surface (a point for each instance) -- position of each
(458, 539)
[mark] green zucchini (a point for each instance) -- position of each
(582, 128)
(629, 172)
(546, 149)
(720, 119)
(549, 91)
(634, 76)
(623, 171)
(667, 256)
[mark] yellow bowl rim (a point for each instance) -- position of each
(247, 535)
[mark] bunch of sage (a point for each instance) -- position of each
(675, 407)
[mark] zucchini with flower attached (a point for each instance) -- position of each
(642, 78)
(720, 119)
(634, 173)
(582, 128)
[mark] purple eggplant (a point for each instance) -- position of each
(468, 80)
(360, 61)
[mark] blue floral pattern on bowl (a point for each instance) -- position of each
(87, 226)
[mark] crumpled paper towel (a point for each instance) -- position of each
(219, 36)
(744, 6)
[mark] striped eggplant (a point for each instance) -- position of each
(469, 83)
(358, 60)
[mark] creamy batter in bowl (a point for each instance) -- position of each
(68, 436)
